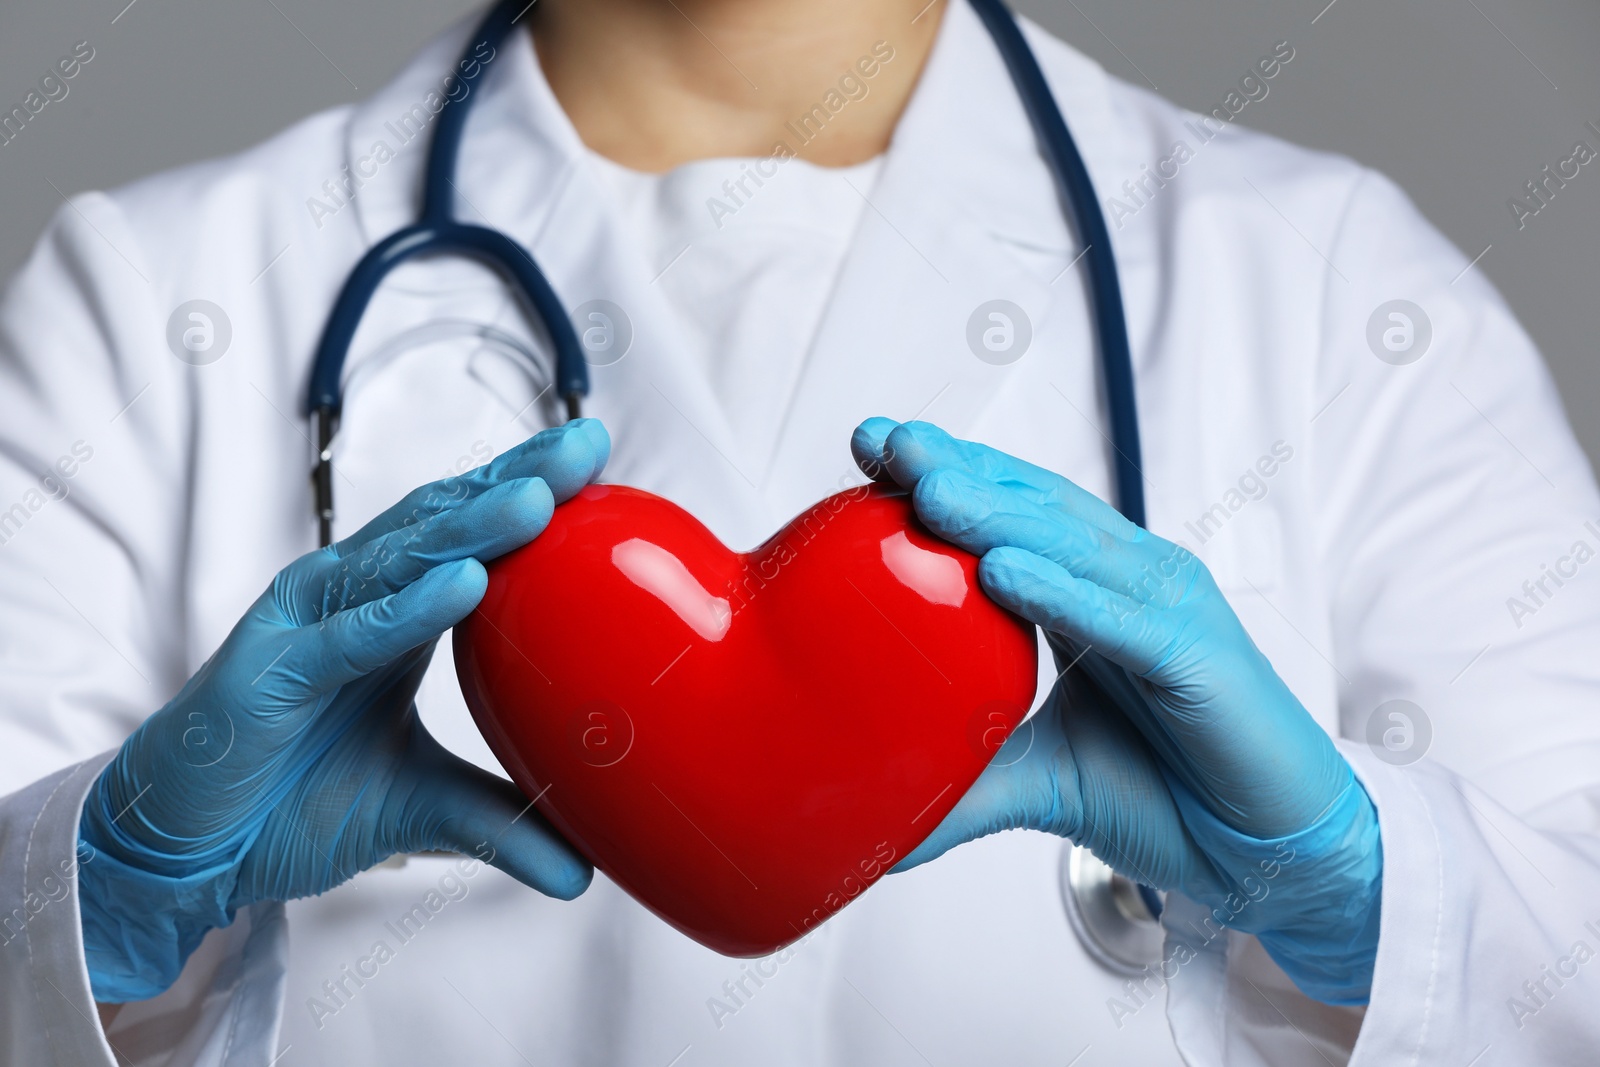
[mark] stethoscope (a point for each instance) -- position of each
(1114, 917)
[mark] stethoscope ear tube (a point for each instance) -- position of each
(437, 232)
(490, 247)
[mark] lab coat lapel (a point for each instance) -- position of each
(965, 214)
(525, 171)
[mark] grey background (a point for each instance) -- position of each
(1461, 101)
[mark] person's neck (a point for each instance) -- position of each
(651, 84)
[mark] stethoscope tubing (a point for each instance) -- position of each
(437, 231)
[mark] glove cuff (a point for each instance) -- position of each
(139, 927)
(1315, 901)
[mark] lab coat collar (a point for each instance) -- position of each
(964, 137)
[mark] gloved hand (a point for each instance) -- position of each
(294, 757)
(1170, 748)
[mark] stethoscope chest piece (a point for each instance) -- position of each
(1116, 919)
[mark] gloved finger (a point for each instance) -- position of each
(322, 656)
(1128, 816)
(1078, 770)
(980, 515)
(566, 457)
(453, 806)
(500, 519)
(1127, 632)
(869, 447)
(1124, 694)
(909, 451)
(1262, 763)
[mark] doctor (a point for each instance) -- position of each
(1340, 700)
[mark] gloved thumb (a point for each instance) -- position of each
(454, 806)
(1020, 789)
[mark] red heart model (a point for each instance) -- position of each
(743, 742)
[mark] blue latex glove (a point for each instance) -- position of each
(294, 757)
(1170, 748)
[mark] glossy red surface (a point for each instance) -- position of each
(743, 742)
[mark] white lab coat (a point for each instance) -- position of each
(1378, 565)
